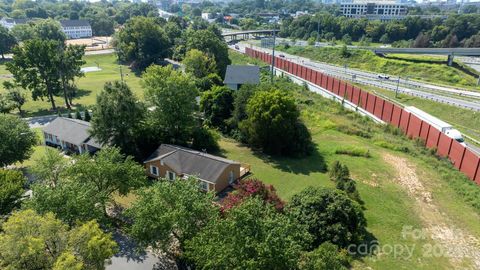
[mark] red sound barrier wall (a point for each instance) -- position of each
(463, 159)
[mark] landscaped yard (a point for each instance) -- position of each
(401, 184)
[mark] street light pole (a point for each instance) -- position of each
(396, 91)
(273, 55)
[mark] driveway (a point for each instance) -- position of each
(130, 258)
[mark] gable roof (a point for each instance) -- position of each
(242, 75)
(71, 130)
(191, 162)
(74, 23)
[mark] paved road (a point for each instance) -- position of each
(372, 79)
(305, 61)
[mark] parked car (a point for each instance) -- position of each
(237, 48)
(383, 76)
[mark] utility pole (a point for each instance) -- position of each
(273, 56)
(121, 73)
(318, 31)
(396, 91)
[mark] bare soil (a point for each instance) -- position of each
(458, 245)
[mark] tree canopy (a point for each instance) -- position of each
(172, 95)
(252, 235)
(17, 140)
(273, 124)
(31, 241)
(167, 214)
(7, 41)
(329, 216)
(141, 41)
(11, 189)
(217, 106)
(209, 42)
(117, 117)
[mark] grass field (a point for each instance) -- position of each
(388, 206)
(427, 68)
(389, 202)
(90, 85)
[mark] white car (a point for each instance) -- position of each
(383, 76)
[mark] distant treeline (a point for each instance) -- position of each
(454, 31)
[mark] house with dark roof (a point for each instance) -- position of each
(236, 76)
(175, 162)
(71, 135)
(76, 28)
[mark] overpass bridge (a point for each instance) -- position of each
(450, 52)
(237, 35)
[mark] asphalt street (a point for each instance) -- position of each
(335, 71)
(418, 89)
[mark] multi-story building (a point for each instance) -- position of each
(380, 10)
(76, 28)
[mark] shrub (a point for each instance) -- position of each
(326, 257)
(353, 151)
(252, 188)
(205, 139)
(351, 130)
(341, 176)
(329, 215)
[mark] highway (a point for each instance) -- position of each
(414, 88)
(367, 79)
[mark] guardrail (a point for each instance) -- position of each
(462, 158)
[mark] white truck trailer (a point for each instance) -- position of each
(442, 126)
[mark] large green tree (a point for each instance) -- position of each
(107, 172)
(252, 235)
(273, 124)
(35, 66)
(217, 105)
(30, 241)
(17, 140)
(167, 214)
(70, 62)
(117, 117)
(141, 41)
(210, 43)
(49, 29)
(7, 41)
(329, 215)
(172, 95)
(11, 189)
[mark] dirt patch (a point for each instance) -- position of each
(460, 247)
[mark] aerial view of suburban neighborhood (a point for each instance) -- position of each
(239, 134)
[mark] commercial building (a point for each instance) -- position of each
(76, 28)
(383, 11)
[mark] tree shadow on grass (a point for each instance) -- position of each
(367, 248)
(312, 163)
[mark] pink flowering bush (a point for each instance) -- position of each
(252, 188)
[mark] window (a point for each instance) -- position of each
(203, 185)
(170, 175)
(153, 170)
(230, 177)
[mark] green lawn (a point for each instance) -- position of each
(388, 207)
(426, 68)
(89, 86)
